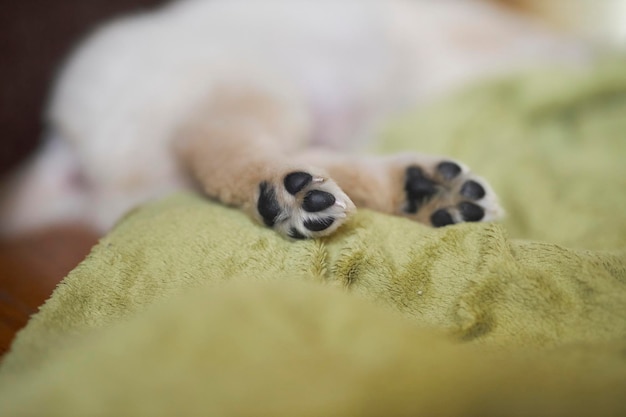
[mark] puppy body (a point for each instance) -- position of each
(235, 93)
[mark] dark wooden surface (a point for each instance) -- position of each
(30, 268)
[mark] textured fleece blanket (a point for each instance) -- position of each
(189, 308)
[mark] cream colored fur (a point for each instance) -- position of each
(234, 93)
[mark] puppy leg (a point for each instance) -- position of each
(432, 190)
(237, 147)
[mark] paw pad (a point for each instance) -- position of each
(318, 225)
(316, 200)
(448, 170)
(450, 193)
(303, 205)
(294, 234)
(471, 212)
(296, 181)
(441, 218)
(472, 190)
(267, 205)
(418, 187)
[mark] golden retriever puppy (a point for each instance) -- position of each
(263, 104)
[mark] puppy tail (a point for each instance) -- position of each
(47, 190)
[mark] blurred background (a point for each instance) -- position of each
(37, 35)
(35, 38)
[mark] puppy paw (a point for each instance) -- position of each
(446, 193)
(301, 205)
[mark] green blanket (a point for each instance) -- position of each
(189, 308)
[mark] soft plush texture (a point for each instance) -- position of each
(189, 308)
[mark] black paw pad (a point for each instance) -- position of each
(472, 190)
(418, 188)
(296, 181)
(267, 205)
(317, 200)
(471, 212)
(319, 224)
(294, 234)
(448, 170)
(441, 218)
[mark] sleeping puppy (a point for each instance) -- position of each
(263, 104)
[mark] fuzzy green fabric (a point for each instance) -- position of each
(189, 308)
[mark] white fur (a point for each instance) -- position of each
(346, 64)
